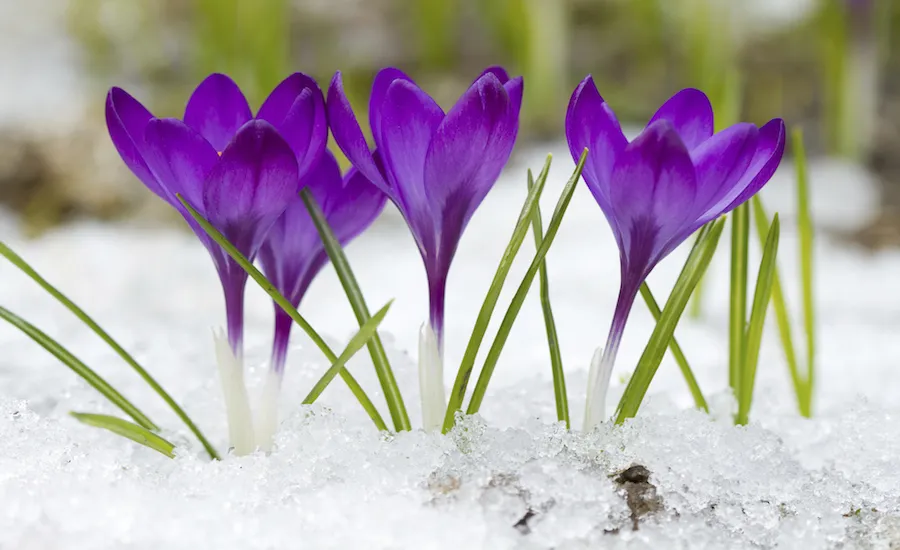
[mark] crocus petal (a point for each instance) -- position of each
(721, 162)
(410, 119)
(513, 85)
(652, 192)
(181, 159)
(296, 108)
(348, 135)
(293, 254)
(380, 85)
(351, 205)
(690, 112)
(591, 123)
(217, 109)
(126, 120)
(514, 88)
(251, 185)
(468, 151)
(305, 130)
(768, 156)
(275, 108)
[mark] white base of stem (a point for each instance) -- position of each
(237, 405)
(267, 414)
(598, 386)
(431, 380)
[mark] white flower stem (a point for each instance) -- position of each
(237, 405)
(598, 386)
(431, 379)
(267, 414)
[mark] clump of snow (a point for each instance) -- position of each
(510, 478)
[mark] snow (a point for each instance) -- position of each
(512, 478)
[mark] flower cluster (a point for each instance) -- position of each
(243, 173)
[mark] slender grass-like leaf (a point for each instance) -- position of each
(78, 367)
(17, 260)
(693, 386)
(356, 343)
(357, 301)
(696, 264)
(556, 366)
(782, 315)
(753, 340)
(288, 308)
(519, 298)
(805, 228)
(128, 430)
(467, 365)
(737, 319)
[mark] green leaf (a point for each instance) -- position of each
(686, 371)
(519, 298)
(737, 319)
(366, 331)
(86, 373)
(128, 430)
(467, 365)
(696, 264)
(288, 308)
(556, 366)
(753, 340)
(782, 315)
(357, 301)
(805, 228)
(16, 260)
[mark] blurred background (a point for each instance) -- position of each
(830, 66)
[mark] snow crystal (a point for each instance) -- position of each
(510, 478)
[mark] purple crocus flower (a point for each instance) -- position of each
(660, 188)
(436, 168)
(240, 172)
(293, 253)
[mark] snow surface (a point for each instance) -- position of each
(511, 478)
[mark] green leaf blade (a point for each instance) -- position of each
(696, 264)
(782, 314)
(677, 353)
(764, 282)
(288, 308)
(20, 263)
(559, 378)
(78, 367)
(360, 339)
(127, 430)
(805, 229)
(382, 365)
(467, 365)
(519, 298)
(737, 319)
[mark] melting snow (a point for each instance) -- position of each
(511, 478)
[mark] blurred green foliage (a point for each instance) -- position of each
(639, 51)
